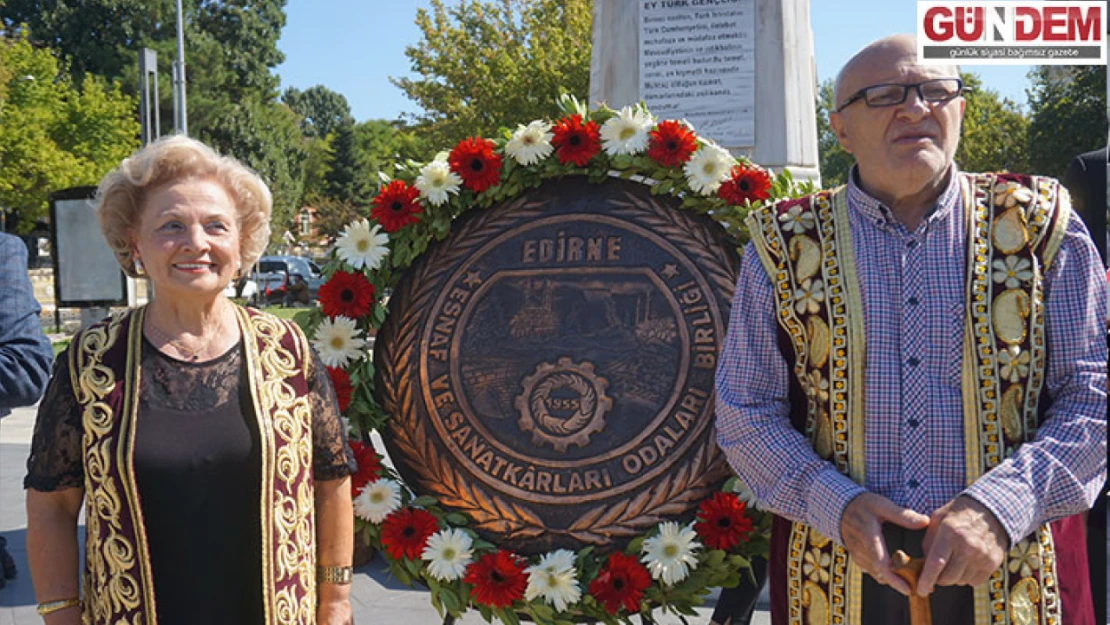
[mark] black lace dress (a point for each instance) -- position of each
(197, 465)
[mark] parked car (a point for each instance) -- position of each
(288, 270)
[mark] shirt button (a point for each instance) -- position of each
(912, 484)
(913, 423)
(913, 361)
(913, 301)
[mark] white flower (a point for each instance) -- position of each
(338, 341)
(530, 144)
(1014, 363)
(809, 296)
(670, 554)
(555, 579)
(436, 182)
(627, 131)
(1025, 558)
(745, 493)
(816, 566)
(794, 220)
(708, 168)
(448, 552)
(1014, 271)
(1009, 194)
(377, 499)
(362, 246)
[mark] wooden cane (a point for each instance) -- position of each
(909, 569)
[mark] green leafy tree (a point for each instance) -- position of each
(519, 56)
(994, 131)
(834, 160)
(321, 109)
(351, 176)
(1068, 115)
(54, 134)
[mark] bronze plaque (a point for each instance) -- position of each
(549, 366)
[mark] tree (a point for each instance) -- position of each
(321, 109)
(1068, 115)
(53, 134)
(351, 179)
(994, 131)
(834, 161)
(519, 56)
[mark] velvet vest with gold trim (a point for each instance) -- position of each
(1015, 225)
(104, 365)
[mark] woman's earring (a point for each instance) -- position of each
(139, 267)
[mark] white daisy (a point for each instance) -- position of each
(555, 579)
(338, 341)
(809, 296)
(1013, 271)
(745, 493)
(530, 144)
(448, 552)
(708, 168)
(436, 181)
(627, 131)
(670, 555)
(362, 246)
(377, 499)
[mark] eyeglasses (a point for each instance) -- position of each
(935, 91)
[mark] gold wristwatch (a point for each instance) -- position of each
(340, 575)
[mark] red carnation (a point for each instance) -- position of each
(498, 579)
(405, 532)
(343, 388)
(745, 184)
(574, 141)
(347, 294)
(369, 466)
(671, 143)
(476, 163)
(621, 582)
(722, 523)
(395, 206)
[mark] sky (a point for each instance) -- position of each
(353, 46)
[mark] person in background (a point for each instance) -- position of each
(203, 438)
(917, 361)
(1085, 178)
(25, 352)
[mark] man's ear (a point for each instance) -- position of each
(838, 128)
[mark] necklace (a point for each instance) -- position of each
(189, 354)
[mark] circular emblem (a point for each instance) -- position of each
(549, 366)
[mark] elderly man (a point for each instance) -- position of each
(917, 361)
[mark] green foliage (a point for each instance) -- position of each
(834, 161)
(482, 65)
(321, 109)
(55, 134)
(1068, 115)
(994, 131)
(350, 179)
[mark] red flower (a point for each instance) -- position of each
(369, 466)
(347, 294)
(405, 532)
(395, 206)
(745, 184)
(671, 143)
(476, 163)
(498, 579)
(621, 582)
(722, 523)
(574, 141)
(343, 388)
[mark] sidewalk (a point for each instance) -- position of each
(377, 599)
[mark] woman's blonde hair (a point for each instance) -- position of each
(123, 191)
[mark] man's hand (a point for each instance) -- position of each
(965, 543)
(861, 529)
(334, 612)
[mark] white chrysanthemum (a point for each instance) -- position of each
(361, 246)
(627, 131)
(555, 579)
(377, 499)
(338, 341)
(436, 182)
(670, 555)
(530, 144)
(448, 552)
(708, 168)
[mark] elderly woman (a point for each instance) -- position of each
(204, 438)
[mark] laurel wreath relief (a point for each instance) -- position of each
(436, 475)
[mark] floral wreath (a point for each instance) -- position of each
(674, 565)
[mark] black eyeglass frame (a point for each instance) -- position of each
(862, 93)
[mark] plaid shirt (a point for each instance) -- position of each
(912, 287)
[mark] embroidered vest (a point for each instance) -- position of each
(1015, 225)
(104, 365)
